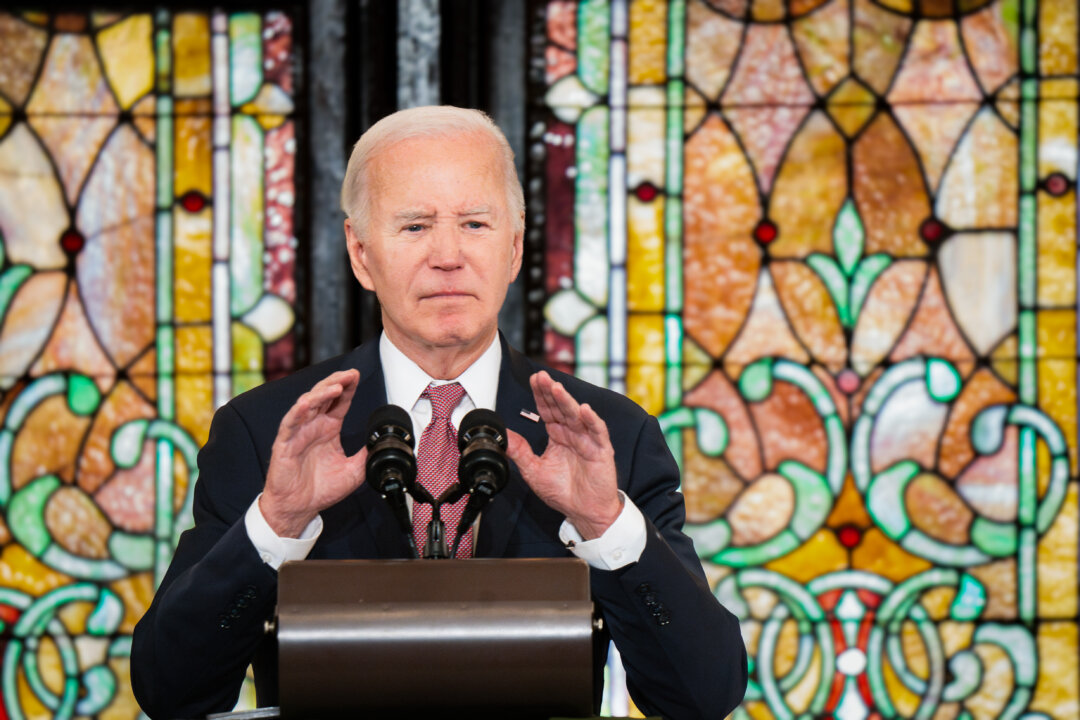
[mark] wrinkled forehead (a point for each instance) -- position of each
(456, 173)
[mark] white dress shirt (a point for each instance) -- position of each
(620, 545)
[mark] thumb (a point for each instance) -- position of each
(357, 465)
(519, 450)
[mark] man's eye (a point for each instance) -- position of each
(414, 228)
(474, 224)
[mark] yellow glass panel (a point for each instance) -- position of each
(767, 10)
(5, 116)
(195, 405)
(123, 706)
(878, 554)
(849, 508)
(128, 56)
(194, 349)
(1057, 562)
(20, 570)
(192, 155)
(1057, 37)
(1057, 137)
(997, 683)
(269, 122)
(1057, 398)
(137, 592)
(1057, 249)
(787, 647)
(758, 710)
(906, 702)
(1059, 89)
(192, 255)
(819, 555)
(937, 602)
(800, 696)
(191, 55)
(28, 701)
(48, 664)
(1056, 333)
(956, 636)
(648, 41)
(645, 386)
(645, 354)
(1056, 691)
(73, 616)
(247, 350)
(645, 255)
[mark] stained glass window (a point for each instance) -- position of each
(147, 274)
(832, 245)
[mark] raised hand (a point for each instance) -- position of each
(309, 470)
(576, 473)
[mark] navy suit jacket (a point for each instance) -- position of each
(682, 650)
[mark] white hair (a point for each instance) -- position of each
(430, 121)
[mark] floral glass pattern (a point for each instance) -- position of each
(831, 244)
(147, 274)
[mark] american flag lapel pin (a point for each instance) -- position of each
(530, 416)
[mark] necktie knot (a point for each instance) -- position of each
(444, 398)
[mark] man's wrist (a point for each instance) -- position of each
(284, 524)
(595, 526)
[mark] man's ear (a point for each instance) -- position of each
(357, 254)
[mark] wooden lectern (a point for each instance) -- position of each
(429, 638)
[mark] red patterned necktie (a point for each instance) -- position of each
(437, 466)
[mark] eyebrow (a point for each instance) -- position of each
(414, 215)
(479, 210)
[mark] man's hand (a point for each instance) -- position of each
(308, 468)
(576, 473)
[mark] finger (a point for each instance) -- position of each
(547, 399)
(541, 385)
(349, 383)
(307, 406)
(519, 450)
(596, 428)
(320, 398)
(568, 408)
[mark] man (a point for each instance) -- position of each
(435, 227)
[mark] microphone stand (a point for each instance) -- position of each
(436, 546)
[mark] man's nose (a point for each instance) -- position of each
(445, 250)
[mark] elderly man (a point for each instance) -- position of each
(435, 227)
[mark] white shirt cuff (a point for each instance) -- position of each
(275, 550)
(621, 544)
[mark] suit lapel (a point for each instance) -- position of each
(514, 395)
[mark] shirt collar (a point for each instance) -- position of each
(405, 381)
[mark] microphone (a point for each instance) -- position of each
(483, 468)
(391, 465)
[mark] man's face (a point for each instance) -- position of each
(440, 248)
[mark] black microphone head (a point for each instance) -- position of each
(390, 419)
(391, 465)
(482, 442)
(480, 422)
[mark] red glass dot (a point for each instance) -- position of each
(646, 192)
(848, 381)
(193, 202)
(1057, 184)
(849, 536)
(765, 232)
(72, 241)
(932, 230)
